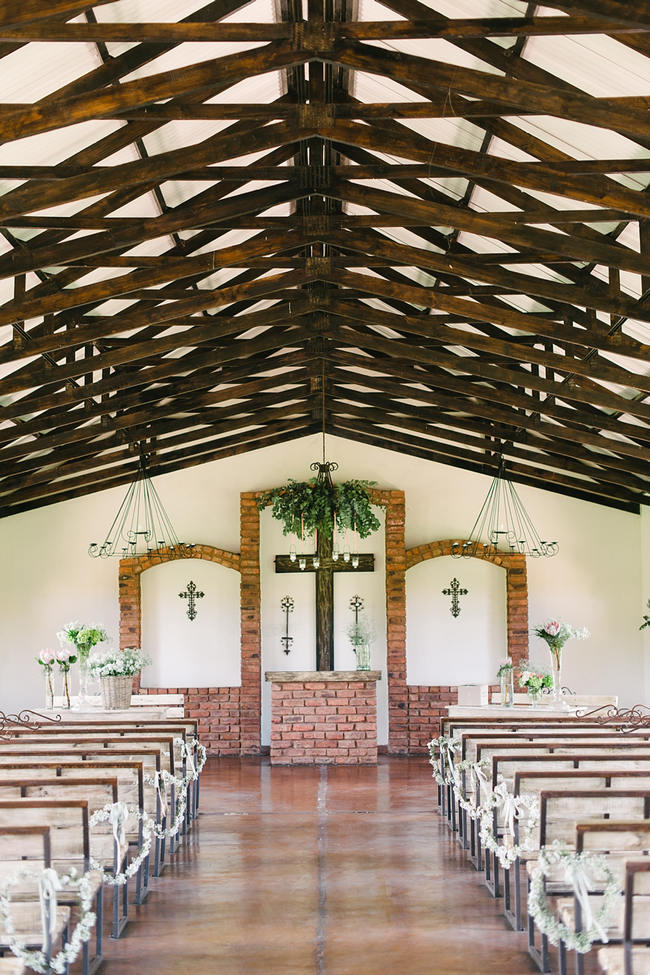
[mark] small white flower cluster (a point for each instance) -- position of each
(119, 663)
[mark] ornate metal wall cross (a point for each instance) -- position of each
(191, 595)
(455, 591)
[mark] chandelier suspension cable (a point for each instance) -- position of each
(503, 524)
(141, 525)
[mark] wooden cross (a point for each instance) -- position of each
(454, 591)
(191, 595)
(324, 572)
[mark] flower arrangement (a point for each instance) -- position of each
(534, 682)
(505, 667)
(47, 659)
(119, 663)
(556, 634)
(65, 658)
(359, 632)
(82, 636)
(305, 507)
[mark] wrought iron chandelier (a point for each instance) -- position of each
(503, 525)
(141, 525)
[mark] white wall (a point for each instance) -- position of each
(441, 648)
(47, 578)
(645, 593)
(203, 652)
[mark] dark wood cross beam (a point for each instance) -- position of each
(325, 591)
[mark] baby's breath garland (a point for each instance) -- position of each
(579, 870)
(107, 814)
(37, 960)
(512, 807)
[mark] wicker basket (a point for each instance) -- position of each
(116, 692)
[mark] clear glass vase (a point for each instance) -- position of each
(507, 682)
(534, 697)
(82, 700)
(362, 651)
(65, 677)
(556, 671)
(48, 678)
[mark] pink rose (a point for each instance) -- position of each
(47, 657)
(63, 655)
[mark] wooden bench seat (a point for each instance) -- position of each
(12, 966)
(611, 960)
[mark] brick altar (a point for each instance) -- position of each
(324, 717)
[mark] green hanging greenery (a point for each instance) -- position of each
(309, 506)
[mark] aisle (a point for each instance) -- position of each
(344, 871)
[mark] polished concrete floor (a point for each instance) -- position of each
(318, 871)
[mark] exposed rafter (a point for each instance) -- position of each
(420, 212)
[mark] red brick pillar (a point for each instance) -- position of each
(395, 620)
(251, 631)
(517, 603)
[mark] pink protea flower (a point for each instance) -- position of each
(47, 657)
(63, 655)
(552, 627)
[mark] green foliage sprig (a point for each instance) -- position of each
(310, 506)
(646, 619)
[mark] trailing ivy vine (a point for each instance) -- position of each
(310, 505)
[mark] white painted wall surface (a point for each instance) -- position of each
(47, 578)
(203, 652)
(645, 592)
(441, 648)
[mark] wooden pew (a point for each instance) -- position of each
(150, 756)
(620, 840)
(130, 777)
(35, 853)
(506, 765)
(605, 780)
(633, 956)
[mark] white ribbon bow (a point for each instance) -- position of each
(48, 885)
(508, 807)
(117, 818)
(190, 761)
(482, 780)
(162, 792)
(576, 874)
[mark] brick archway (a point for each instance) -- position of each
(217, 708)
(516, 588)
(427, 704)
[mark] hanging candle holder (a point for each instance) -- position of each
(287, 605)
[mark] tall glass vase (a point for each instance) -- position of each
(506, 678)
(82, 700)
(49, 688)
(556, 671)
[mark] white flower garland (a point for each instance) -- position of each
(446, 747)
(579, 870)
(181, 800)
(104, 815)
(187, 751)
(37, 959)
(513, 807)
(473, 809)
